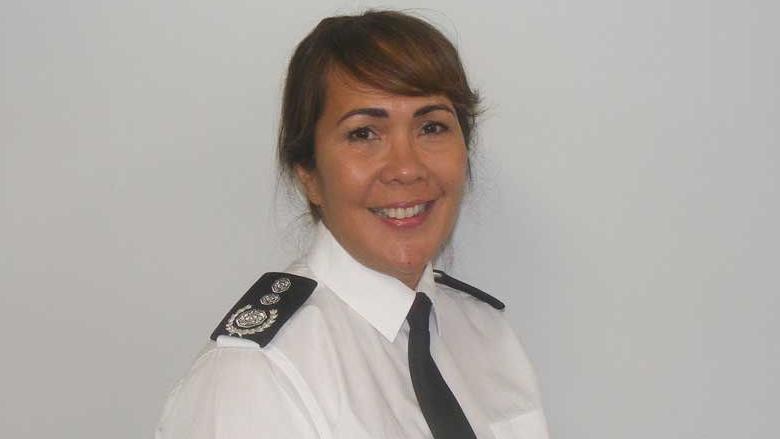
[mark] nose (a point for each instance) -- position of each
(403, 164)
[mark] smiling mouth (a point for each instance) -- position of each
(400, 213)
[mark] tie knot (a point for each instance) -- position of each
(420, 311)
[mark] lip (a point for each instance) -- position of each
(407, 223)
(405, 204)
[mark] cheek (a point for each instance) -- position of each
(345, 180)
(453, 173)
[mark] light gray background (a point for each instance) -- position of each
(626, 202)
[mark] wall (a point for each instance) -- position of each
(625, 206)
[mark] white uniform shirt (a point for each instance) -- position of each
(338, 368)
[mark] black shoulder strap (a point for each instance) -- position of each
(443, 278)
(260, 313)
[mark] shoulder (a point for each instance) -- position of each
(237, 372)
(220, 395)
(265, 308)
(443, 278)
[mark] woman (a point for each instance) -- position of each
(362, 338)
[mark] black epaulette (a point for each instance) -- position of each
(443, 278)
(265, 307)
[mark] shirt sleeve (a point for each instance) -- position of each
(232, 393)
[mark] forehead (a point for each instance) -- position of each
(344, 93)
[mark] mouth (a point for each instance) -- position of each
(402, 211)
(404, 214)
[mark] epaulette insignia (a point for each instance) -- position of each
(443, 278)
(265, 307)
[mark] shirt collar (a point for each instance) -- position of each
(382, 300)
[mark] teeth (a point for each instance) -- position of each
(401, 212)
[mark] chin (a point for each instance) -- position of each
(409, 263)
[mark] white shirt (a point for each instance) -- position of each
(338, 368)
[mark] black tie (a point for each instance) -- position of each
(439, 406)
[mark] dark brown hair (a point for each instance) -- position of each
(387, 50)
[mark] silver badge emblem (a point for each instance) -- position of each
(251, 319)
(246, 321)
(270, 299)
(281, 285)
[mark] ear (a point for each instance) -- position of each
(309, 181)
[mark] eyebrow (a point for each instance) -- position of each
(381, 112)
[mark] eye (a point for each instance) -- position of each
(434, 128)
(361, 134)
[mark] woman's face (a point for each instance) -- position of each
(389, 176)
